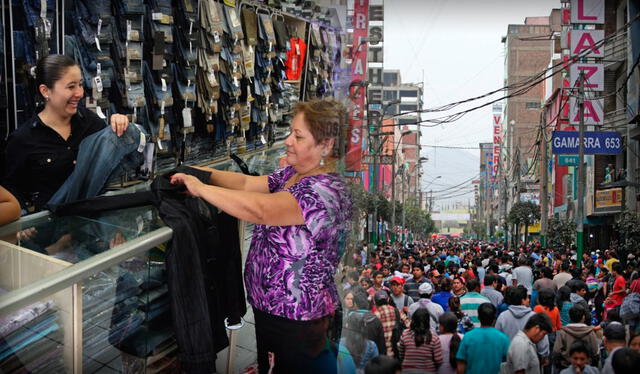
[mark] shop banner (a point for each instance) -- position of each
(357, 89)
(497, 144)
(595, 143)
(609, 200)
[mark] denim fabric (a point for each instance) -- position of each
(94, 8)
(32, 11)
(24, 47)
(154, 90)
(98, 157)
(72, 49)
(135, 96)
(129, 7)
(23, 341)
(11, 323)
(186, 92)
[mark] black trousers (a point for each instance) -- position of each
(295, 344)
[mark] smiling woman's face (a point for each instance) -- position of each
(66, 93)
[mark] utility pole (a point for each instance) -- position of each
(518, 188)
(543, 181)
(581, 175)
(504, 212)
(393, 197)
(404, 172)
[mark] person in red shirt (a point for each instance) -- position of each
(619, 287)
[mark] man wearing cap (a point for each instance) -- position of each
(401, 300)
(435, 310)
(614, 339)
(411, 286)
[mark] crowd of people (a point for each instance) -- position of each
(453, 306)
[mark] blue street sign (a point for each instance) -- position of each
(595, 143)
(564, 160)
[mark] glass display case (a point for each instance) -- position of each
(89, 294)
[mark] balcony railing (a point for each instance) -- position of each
(615, 120)
(615, 51)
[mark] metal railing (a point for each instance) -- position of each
(615, 119)
(615, 50)
(34, 292)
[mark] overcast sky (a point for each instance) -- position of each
(455, 47)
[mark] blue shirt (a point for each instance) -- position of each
(442, 298)
(483, 349)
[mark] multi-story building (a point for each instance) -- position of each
(605, 195)
(528, 50)
(404, 103)
(484, 199)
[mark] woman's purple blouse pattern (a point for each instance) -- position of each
(290, 270)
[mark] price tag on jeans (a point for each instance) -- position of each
(186, 117)
(100, 113)
(98, 44)
(162, 104)
(43, 8)
(164, 84)
(98, 83)
(190, 27)
(143, 142)
(129, 29)
(99, 25)
(98, 68)
(216, 36)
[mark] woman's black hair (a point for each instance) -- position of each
(449, 323)
(49, 69)
(564, 294)
(546, 298)
(354, 336)
(421, 326)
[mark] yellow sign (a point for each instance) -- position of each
(611, 198)
(533, 229)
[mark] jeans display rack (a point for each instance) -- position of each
(89, 295)
(203, 77)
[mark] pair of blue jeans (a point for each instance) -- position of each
(99, 155)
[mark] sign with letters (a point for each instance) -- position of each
(593, 111)
(593, 76)
(595, 143)
(357, 90)
(587, 11)
(582, 40)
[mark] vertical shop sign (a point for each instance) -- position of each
(497, 143)
(357, 90)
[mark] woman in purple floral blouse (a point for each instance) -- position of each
(301, 212)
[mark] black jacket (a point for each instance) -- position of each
(204, 265)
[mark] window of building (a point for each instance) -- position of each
(533, 105)
(408, 93)
(390, 95)
(390, 79)
(408, 108)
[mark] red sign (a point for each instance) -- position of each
(357, 89)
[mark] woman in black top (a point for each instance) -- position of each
(42, 153)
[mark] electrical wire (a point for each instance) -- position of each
(522, 87)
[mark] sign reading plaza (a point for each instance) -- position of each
(595, 143)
